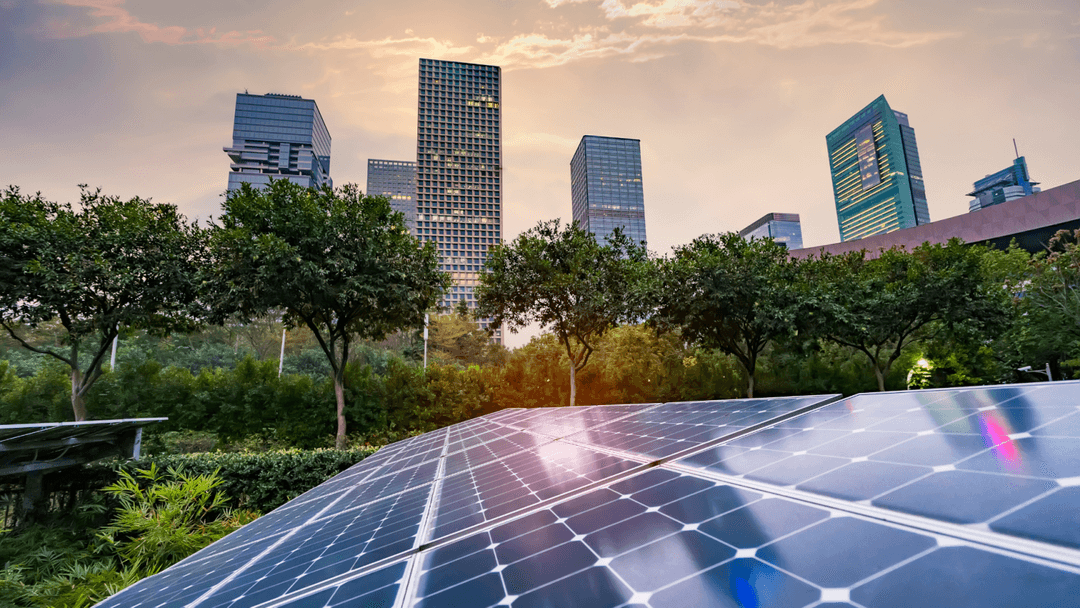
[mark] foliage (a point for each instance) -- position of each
(565, 281)
(337, 262)
(723, 291)
(456, 339)
(107, 265)
(258, 481)
(881, 305)
(160, 519)
(175, 516)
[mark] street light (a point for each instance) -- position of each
(1027, 368)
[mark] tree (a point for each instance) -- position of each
(110, 264)
(880, 306)
(726, 292)
(456, 338)
(565, 281)
(335, 261)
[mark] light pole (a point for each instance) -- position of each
(425, 339)
(1027, 368)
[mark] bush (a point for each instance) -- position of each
(255, 481)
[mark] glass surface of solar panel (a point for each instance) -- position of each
(661, 538)
(770, 502)
(996, 456)
(670, 428)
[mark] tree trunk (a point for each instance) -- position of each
(750, 385)
(573, 385)
(880, 378)
(78, 401)
(339, 392)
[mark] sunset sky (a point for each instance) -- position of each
(731, 99)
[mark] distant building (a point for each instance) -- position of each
(396, 180)
(784, 228)
(1031, 221)
(459, 170)
(876, 174)
(605, 187)
(1005, 185)
(278, 137)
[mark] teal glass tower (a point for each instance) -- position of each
(876, 175)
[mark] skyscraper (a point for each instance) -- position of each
(278, 137)
(1005, 185)
(396, 180)
(876, 175)
(459, 169)
(784, 228)
(605, 187)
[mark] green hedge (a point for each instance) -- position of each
(256, 481)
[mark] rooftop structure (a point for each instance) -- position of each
(1005, 185)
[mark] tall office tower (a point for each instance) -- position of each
(784, 228)
(605, 187)
(459, 170)
(1005, 185)
(396, 180)
(278, 137)
(876, 175)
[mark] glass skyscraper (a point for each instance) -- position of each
(459, 169)
(396, 180)
(784, 228)
(278, 137)
(605, 187)
(876, 175)
(1005, 185)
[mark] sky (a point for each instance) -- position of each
(731, 99)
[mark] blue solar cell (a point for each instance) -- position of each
(1054, 518)
(864, 480)
(966, 577)
(963, 497)
(843, 551)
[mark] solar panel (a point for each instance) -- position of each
(959, 497)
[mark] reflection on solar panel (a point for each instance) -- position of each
(958, 497)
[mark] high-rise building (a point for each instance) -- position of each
(876, 175)
(459, 169)
(396, 180)
(605, 187)
(278, 137)
(784, 228)
(1005, 185)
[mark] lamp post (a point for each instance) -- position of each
(1027, 368)
(425, 339)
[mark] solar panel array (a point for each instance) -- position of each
(957, 497)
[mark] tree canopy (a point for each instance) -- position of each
(564, 280)
(723, 291)
(338, 262)
(880, 305)
(108, 264)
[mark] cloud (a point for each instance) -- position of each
(671, 13)
(113, 18)
(412, 46)
(637, 30)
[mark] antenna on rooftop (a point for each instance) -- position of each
(1015, 148)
